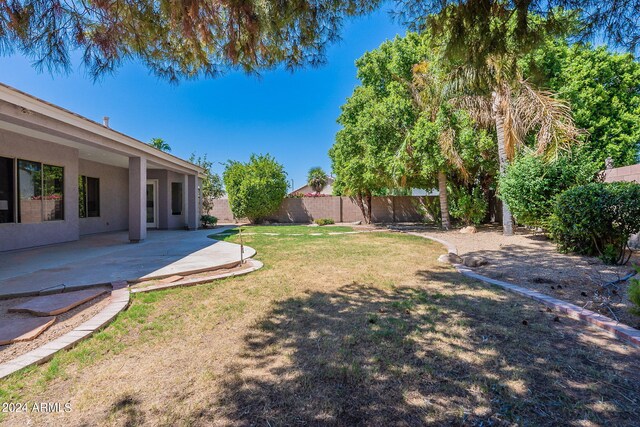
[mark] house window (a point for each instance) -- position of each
(176, 198)
(40, 192)
(7, 190)
(30, 190)
(89, 193)
(52, 193)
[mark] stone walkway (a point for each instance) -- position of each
(119, 300)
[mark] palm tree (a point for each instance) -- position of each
(160, 144)
(516, 110)
(317, 179)
(428, 91)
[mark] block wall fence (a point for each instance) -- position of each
(340, 209)
(625, 173)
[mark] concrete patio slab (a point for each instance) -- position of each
(51, 305)
(24, 330)
(109, 257)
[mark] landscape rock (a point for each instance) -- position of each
(474, 261)
(469, 230)
(450, 258)
(356, 223)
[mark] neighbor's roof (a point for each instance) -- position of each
(20, 98)
(330, 181)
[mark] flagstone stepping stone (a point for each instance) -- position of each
(51, 305)
(24, 329)
(171, 279)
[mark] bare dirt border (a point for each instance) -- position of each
(619, 330)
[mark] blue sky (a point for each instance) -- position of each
(291, 116)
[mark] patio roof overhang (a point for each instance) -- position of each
(27, 115)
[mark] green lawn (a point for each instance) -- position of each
(283, 230)
(350, 329)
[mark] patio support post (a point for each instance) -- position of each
(192, 211)
(137, 199)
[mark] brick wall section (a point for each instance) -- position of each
(625, 173)
(221, 210)
(340, 209)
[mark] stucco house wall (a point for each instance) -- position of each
(34, 130)
(114, 200)
(166, 219)
(19, 235)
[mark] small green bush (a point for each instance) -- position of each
(597, 219)
(208, 220)
(634, 294)
(324, 221)
(531, 185)
(470, 208)
(256, 188)
(429, 209)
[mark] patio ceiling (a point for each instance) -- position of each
(26, 115)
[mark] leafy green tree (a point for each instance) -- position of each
(444, 142)
(211, 185)
(160, 144)
(496, 95)
(398, 129)
(531, 185)
(603, 88)
(317, 179)
(355, 162)
(256, 188)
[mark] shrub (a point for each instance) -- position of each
(429, 209)
(634, 294)
(597, 219)
(470, 208)
(530, 185)
(324, 221)
(256, 188)
(208, 220)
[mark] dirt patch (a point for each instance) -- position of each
(532, 260)
(64, 323)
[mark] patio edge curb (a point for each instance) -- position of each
(120, 298)
(200, 280)
(618, 330)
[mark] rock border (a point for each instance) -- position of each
(617, 329)
(119, 301)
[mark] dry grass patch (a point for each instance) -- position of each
(362, 329)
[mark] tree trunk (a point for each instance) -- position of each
(444, 201)
(368, 216)
(364, 203)
(507, 219)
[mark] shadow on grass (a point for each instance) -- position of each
(416, 355)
